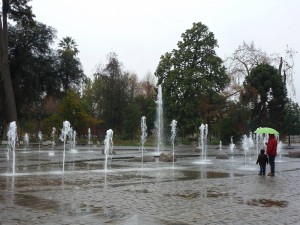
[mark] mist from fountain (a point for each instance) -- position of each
(11, 146)
(143, 136)
(173, 137)
(159, 119)
(108, 146)
(65, 132)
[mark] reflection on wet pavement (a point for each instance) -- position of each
(144, 193)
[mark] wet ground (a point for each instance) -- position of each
(36, 190)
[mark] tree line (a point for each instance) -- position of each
(43, 86)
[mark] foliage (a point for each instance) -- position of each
(190, 76)
(69, 68)
(18, 11)
(247, 56)
(265, 93)
(292, 118)
(32, 67)
(234, 123)
(71, 110)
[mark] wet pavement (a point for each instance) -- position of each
(188, 191)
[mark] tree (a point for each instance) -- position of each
(191, 76)
(69, 66)
(247, 56)
(265, 93)
(17, 10)
(32, 64)
(291, 119)
(110, 93)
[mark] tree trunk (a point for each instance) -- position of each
(5, 72)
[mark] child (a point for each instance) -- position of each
(262, 160)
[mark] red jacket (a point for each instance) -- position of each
(272, 145)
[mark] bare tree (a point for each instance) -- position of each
(247, 56)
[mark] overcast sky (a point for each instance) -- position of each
(140, 31)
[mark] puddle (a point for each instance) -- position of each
(195, 175)
(267, 203)
(43, 204)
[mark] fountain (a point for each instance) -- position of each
(73, 143)
(144, 135)
(203, 143)
(26, 141)
(220, 146)
(279, 151)
(53, 141)
(231, 146)
(108, 146)
(89, 138)
(11, 147)
(247, 145)
(65, 132)
(40, 137)
(173, 136)
(159, 119)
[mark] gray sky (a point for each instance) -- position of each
(140, 31)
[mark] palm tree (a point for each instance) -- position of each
(68, 45)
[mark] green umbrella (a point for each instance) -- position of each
(266, 130)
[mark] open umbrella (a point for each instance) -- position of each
(266, 130)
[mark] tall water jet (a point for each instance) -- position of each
(108, 146)
(203, 141)
(247, 145)
(40, 137)
(159, 119)
(144, 135)
(231, 146)
(53, 141)
(26, 141)
(89, 138)
(173, 136)
(11, 147)
(65, 132)
(279, 150)
(73, 143)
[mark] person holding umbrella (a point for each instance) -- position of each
(272, 152)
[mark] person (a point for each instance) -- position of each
(262, 160)
(272, 152)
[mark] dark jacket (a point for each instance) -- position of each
(262, 159)
(272, 146)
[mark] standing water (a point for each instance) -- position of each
(173, 136)
(11, 147)
(144, 135)
(108, 146)
(159, 119)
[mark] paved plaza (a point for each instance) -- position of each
(188, 191)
